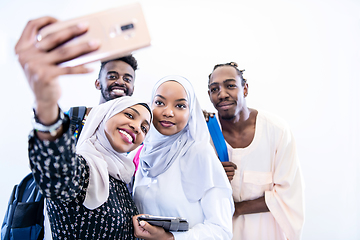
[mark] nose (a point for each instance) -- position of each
(135, 126)
(168, 112)
(120, 80)
(222, 94)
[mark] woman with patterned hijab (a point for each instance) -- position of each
(85, 189)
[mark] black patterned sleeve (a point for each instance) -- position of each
(60, 173)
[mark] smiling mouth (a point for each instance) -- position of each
(126, 136)
(118, 91)
(166, 124)
(224, 105)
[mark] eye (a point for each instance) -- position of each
(129, 115)
(112, 77)
(144, 129)
(231, 86)
(127, 79)
(213, 89)
(182, 106)
(159, 103)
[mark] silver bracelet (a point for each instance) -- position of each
(53, 128)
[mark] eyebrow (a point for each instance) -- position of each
(115, 72)
(146, 121)
(111, 72)
(178, 100)
(227, 80)
(128, 75)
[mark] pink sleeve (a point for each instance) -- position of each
(136, 159)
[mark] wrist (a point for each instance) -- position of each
(51, 127)
(46, 113)
(238, 209)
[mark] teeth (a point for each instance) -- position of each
(118, 91)
(126, 135)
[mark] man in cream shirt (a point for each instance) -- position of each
(263, 166)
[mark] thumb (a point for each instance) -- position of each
(147, 226)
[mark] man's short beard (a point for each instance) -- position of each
(107, 98)
(227, 117)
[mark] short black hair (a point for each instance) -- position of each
(129, 59)
(234, 65)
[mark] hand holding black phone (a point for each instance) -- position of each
(173, 224)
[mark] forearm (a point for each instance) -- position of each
(251, 206)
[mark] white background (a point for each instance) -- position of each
(302, 62)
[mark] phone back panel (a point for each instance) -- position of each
(121, 30)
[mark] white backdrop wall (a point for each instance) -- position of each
(302, 62)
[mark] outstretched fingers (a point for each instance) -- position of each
(81, 69)
(57, 38)
(40, 59)
(65, 53)
(28, 36)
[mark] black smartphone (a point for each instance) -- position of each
(174, 224)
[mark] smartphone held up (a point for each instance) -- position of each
(120, 31)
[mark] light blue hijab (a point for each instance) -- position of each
(200, 168)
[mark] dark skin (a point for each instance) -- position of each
(145, 230)
(237, 121)
(40, 60)
(116, 79)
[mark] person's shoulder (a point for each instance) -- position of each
(79, 108)
(88, 109)
(272, 119)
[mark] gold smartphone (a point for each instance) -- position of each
(120, 30)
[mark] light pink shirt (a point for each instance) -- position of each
(269, 166)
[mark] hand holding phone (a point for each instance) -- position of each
(120, 31)
(174, 224)
(39, 62)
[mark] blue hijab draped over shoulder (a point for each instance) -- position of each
(201, 169)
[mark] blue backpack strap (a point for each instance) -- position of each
(218, 139)
(76, 115)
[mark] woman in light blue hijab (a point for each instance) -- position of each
(179, 173)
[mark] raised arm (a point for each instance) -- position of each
(40, 59)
